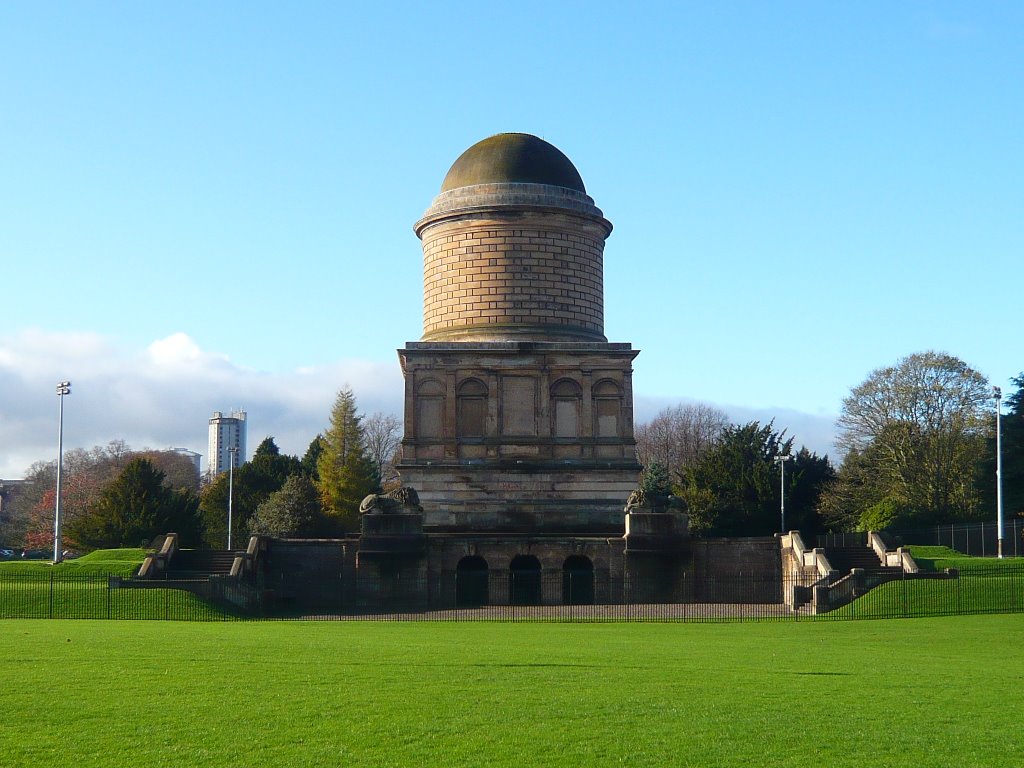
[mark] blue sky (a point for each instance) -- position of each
(208, 206)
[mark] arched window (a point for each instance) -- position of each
(565, 404)
(577, 581)
(471, 577)
(607, 409)
(472, 408)
(430, 409)
(524, 580)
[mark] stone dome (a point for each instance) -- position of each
(513, 158)
(513, 248)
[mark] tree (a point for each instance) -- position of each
(316, 447)
(1012, 428)
(293, 510)
(383, 433)
(347, 473)
(679, 435)
(916, 433)
(733, 488)
(807, 476)
(85, 474)
(22, 523)
(1013, 451)
(656, 479)
(180, 471)
(135, 507)
(254, 482)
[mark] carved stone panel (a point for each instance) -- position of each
(519, 405)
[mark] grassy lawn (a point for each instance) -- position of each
(102, 562)
(968, 594)
(937, 692)
(940, 558)
(78, 590)
(985, 585)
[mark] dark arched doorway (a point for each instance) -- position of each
(471, 582)
(577, 581)
(524, 580)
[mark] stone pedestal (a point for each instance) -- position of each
(657, 552)
(391, 568)
(391, 534)
(657, 532)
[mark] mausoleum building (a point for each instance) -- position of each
(518, 461)
(518, 411)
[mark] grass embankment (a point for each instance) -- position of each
(102, 562)
(984, 585)
(432, 694)
(940, 558)
(80, 589)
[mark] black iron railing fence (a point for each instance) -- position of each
(974, 539)
(505, 596)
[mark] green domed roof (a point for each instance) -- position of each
(513, 158)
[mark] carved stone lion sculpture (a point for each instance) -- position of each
(391, 502)
(647, 501)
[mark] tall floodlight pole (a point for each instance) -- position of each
(997, 393)
(781, 461)
(64, 388)
(233, 452)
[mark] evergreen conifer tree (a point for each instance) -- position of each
(134, 507)
(346, 472)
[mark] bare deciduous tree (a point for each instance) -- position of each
(920, 424)
(383, 437)
(679, 435)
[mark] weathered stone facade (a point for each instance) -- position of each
(509, 270)
(519, 436)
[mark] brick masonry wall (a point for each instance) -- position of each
(536, 269)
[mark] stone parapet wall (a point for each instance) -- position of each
(756, 557)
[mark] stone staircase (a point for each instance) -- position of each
(201, 563)
(857, 570)
(845, 559)
(845, 568)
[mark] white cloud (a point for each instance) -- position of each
(163, 396)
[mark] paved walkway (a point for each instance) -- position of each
(632, 612)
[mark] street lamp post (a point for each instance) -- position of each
(64, 388)
(997, 393)
(231, 488)
(781, 461)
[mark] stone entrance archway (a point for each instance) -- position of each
(524, 580)
(471, 587)
(577, 581)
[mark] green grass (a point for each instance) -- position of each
(985, 585)
(78, 589)
(88, 597)
(938, 597)
(102, 562)
(940, 558)
(936, 692)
